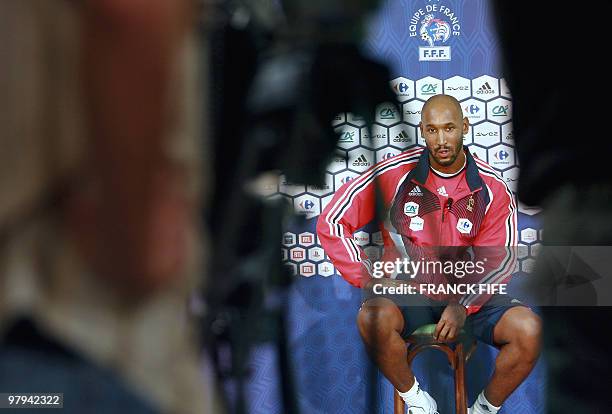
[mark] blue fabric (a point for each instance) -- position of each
(482, 323)
(31, 362)
(425, 311)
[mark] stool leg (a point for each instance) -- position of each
(399, 407)
(460, 397)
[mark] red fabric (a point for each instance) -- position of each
(353, 206)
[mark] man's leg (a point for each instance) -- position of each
(518, 336)
(380, 324)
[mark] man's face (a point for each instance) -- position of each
(443, 129)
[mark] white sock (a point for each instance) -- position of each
(483, 406)
(413, 395)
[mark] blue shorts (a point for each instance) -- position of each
(425, 311)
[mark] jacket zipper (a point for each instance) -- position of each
(449, 204)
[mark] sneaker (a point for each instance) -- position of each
(429, 405)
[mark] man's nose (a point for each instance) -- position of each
(441, 138)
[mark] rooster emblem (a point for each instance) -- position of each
(434, 30)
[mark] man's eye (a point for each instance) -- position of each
(431, 130)
(449, 129)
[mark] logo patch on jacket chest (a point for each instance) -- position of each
(464, 226)
(416, 224)
(416, 192)
(411, 209)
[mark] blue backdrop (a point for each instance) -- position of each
(431, 47)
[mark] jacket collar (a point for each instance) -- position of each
(422, 171)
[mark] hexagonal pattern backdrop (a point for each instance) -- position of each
(331, 369)
(485, 100)
(487, 103)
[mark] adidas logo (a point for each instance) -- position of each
(485, 89)
(361, 161)
(401, 137)
(416, 191)
(442, 191)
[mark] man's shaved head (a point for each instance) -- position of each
(443, 126)
(443, 100)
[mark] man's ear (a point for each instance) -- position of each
(466, 125)
(421, 127)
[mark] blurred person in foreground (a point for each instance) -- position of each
(99, 194)
(440, 203)
(560, 120)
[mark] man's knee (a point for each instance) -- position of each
(530, 334)
(379, 318)
(524, 329)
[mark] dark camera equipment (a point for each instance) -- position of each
(281, 71)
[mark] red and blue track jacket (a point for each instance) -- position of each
(421, 221)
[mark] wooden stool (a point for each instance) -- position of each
(421, 339)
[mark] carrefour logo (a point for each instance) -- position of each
(500, 110)
(401, 87)
(464, 226)
(472, 109)
(307, 204)
(501, 155)
(346, 179)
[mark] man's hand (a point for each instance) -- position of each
(451, 322)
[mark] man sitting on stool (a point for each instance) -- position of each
(435, 196)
